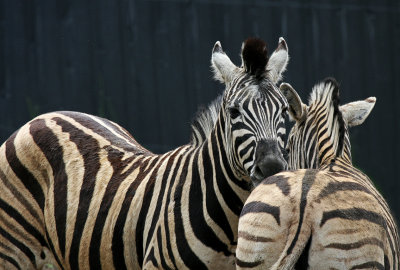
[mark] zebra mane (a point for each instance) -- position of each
(204, 122)
(326, 94)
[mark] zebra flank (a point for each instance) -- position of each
(78, 192)
(323, 213)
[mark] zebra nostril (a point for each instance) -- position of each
(257, 173)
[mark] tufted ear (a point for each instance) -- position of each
(297, 110)
(278, 61)
(355, 113)
(222, 66)
(254, 56)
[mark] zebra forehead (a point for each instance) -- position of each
(269, 90)
(262, 92)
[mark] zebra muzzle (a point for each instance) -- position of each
(269, 161)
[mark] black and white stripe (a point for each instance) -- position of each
(78, 192)
(328, 217)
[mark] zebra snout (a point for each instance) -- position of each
(268, 166)
(269, 160)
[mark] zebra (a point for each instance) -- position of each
(323, 213)
(78, 192)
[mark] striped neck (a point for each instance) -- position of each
(332, 136)
(342, 153)
(215, 150)
(214, 181)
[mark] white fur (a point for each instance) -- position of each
(297, 110)
(278, 61)
(355, 113)
(222, 66)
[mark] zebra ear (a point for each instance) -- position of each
(297, 110)
(355, 113)
(222, 66)
(278, 61)
(254, 56)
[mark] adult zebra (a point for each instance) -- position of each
(78, 192)
(328, 217)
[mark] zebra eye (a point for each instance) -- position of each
(234, 112)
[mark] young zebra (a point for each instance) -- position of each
(329, 216)
(78, 192)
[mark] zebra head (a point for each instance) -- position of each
(253, 109)
(320, 133)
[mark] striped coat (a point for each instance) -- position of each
(78, 192)
(329, 216)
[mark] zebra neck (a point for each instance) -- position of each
(211, 195)
(217, 171)
(326, 158)
(339, 161)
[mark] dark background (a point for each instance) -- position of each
(145, 64)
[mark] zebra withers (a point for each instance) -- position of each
(328, 216)
(78, 192)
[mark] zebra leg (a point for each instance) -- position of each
(258, 251)
(295, 255)
(271, 251)
(271, 235)
(264, 232)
